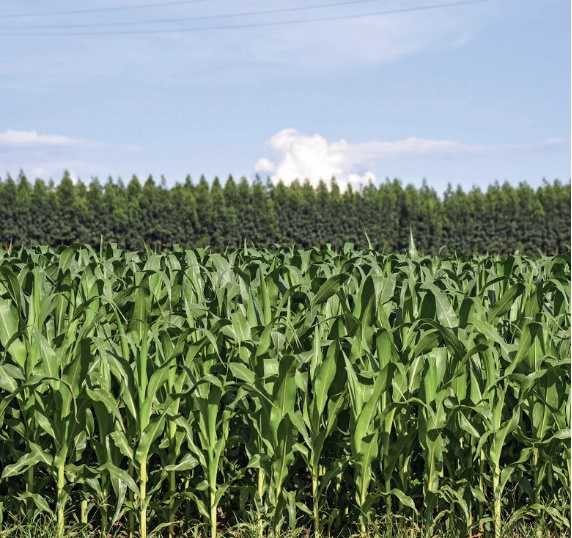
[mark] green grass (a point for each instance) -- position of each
(46, 527)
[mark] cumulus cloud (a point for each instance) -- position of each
(301, 156)
(312, 157)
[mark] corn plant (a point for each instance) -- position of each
(335, 390)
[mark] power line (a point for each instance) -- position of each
(101, 9)
(187, 19)
(249, 25)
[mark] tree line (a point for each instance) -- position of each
(498, 220)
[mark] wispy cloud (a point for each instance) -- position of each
(48, 155)
(249, 53)
(301, 156)
(429, 147)
(10, 139)
(76, 169)
(369, 40)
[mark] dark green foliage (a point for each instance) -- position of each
(340, 392)
(499, 220)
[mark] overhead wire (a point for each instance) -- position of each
(247, 25)
(101, 9)
(188, 19)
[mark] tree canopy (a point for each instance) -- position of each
(498, 220)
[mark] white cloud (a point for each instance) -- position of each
(427, 146)
(312, 157)
(370, 35)
(301, 156)
(26, 139)
(55, 169)
(48, 155)
(368, 40)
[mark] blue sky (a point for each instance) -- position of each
(465, 94)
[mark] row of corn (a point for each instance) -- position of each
(339, 391)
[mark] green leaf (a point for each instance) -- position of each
(329, 288)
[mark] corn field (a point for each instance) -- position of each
(338, 391)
